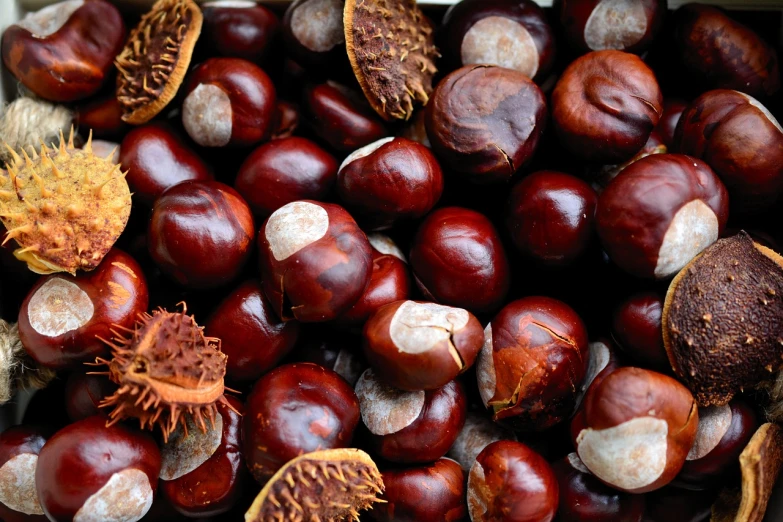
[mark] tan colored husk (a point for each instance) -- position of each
(26, 122)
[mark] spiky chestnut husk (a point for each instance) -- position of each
(167, 371)
(155, 59)
(322, 486)
(65, 207)
(391, 48)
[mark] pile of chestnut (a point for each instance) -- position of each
(473, 296)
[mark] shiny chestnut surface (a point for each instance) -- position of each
(19, 449)
(636, 326)
(83, 393)
(200, 233)
(239, 29)
(672, 110)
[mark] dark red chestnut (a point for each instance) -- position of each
(434, 492)
(83, 394)
(315, 261)
(88, 471)
(667, 125)
(19, 450)
(411, 426)
(63, 318)
(228, 101)
(510, 482)
(478, 432)
(458, 260)
(468, 121)
(102, 116)
(295, 409)
(313, 31)
(65, 52)
(509, 33)
(605, 106)
(389, 180)
(200, 233)
(251, 335)
(551, 217)
(156, 159)
(283, 171)
(238, 28)
(636, 326)
(659, 213)
(533, 362)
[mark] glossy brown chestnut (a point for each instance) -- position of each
(102, 116)
(458, 260)
(19, 449)
(341, 117)
(534, 359)
(88, 471)
(639, 427)
(622, 25)
(295, 409)
(313, 31)
(510, 482)
(478, 432)
(659, 213)
(315, 261)
(411, 427)
(83, 393)
(156, 158)
(722, 53)
(239, 29)
(468, 118)
(551, 217)
(509, 33)
(741, 140)
(201, 474)
(434, 492)
(63, 318)
(636, 326)
(228, 101)
(251, 335)
(605, 106)
(285, 170)
(200, 233)
(667, 125)
(65, 52)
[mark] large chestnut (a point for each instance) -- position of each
(407, 426)
(228, 101)
(605, 106)
(83, 394)
(485, 122)
(639, 427)
(19, 450)
(295, 409)
(239, 29)
(88, 471)
(659, 213)
(509, 33)
(458, 260)
(741, 140)
(64, 318)
(636, 326)
(200, 233)
(313, 31)
(534, 359)
(315, 261)
(65, 51)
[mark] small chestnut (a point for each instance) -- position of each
(19, 450)
(667, 125)
(286, 120)
(102, 116)
(636, 326)
(478, 432)
(410, 426)
(84, 392)
(228, 101)
(313, 31)
(238, 29)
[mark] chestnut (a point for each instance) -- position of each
(509, 33)
(597, 25)
(636, 326)
(315, 261)
(458, 260)
(415, 345)
(478, 432)
(509, 482)
(639, 427)
(390, 180)
(468, 118)
(551, 217)
(295, 409)
(102, 116)
(200, 233)
(434, 492)
(667, 125)
(251, 335)
(201, 474)
(228, 101)
(156, 158)
(410, 426)
(534, 359)
(90, 471)
(19, 450)
(84, 392)
(283, 171)
(605, 106)
(313, 31)
(741, 140)
(239, 29)
(65, 51)
(286, 120)
(64, 318)
(661, 212)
